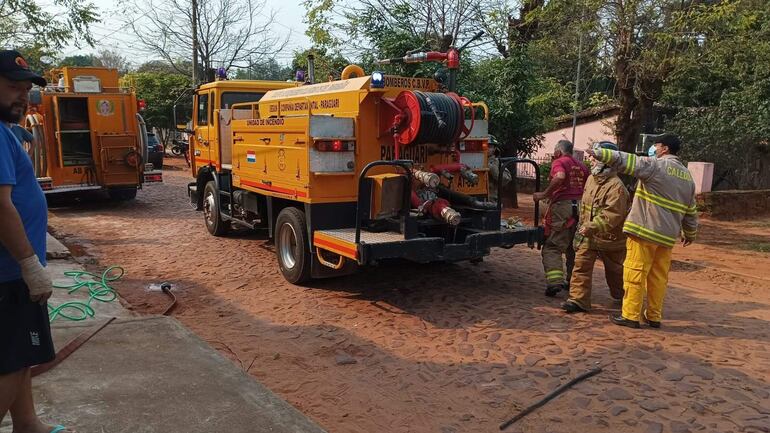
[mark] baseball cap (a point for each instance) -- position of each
(669, 140)
(15, 68)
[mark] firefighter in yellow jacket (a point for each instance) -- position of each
(602, 211)
(663, 209)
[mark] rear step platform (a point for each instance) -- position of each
(385, 245)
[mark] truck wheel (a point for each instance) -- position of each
(211, 213)
(291, 245)
(122, 194)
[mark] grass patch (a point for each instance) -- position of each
(765, 223)
(762, 247)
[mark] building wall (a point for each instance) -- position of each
(585, 134)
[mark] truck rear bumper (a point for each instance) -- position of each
(377, 246)
(153, 176)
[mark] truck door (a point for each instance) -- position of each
(118, 158)
(201, 150)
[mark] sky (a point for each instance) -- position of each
(113, 33)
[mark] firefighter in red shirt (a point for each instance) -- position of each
(565, 188)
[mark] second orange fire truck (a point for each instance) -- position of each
(88, 135)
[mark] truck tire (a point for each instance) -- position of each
(122, 194)
(211, 211)
(291, 245)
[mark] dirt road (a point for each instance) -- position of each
(451, 348)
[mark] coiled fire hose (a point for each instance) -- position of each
(441, 118)
(98, 290)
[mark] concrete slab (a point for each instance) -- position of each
(149, 374)
(55, 249)
(153, 375)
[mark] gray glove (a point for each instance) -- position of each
(37, 279)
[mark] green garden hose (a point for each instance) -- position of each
(98, 289)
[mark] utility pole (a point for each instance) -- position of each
(577, 87)
(577, 77)
(194, 43)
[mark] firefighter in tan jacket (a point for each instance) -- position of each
(662, 211)
(602, 211)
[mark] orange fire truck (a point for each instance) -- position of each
(349, 172)
(88, 135)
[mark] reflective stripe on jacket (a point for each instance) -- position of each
(604, 208)
(664, 202)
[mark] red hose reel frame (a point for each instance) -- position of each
(402, 116)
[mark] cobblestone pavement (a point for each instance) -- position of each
(449, 348)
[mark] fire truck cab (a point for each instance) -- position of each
(88, 134)
(349, 172)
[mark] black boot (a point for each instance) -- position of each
(552, 290)
(572, 307)
(622, 321)
(652, 323)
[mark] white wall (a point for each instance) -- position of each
(585, 135)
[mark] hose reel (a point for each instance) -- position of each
(428, 117)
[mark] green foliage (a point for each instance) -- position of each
(598, 100)
(319, 23)
(27, 23)
(734, 134)
(266, 70)
(326, 65)
(721, 87)
(761, 247)
(156, 66)
(39, 57)
(518, 114)
(160, 91)
(545, 172)
(79, 60)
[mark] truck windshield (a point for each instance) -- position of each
(230, 98)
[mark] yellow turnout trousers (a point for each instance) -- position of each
(582, 275)
(645, 270)
(559, 243)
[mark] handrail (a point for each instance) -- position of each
(405, 164)
(483, 106)
(503, 164)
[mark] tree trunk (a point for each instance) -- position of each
(627, 125)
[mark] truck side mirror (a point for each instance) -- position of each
(35, 97)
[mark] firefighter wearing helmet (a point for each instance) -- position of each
(603, 209)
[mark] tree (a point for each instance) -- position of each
(160, 91)
(721, 88)
(518, 117)
(265, 70)
(112, 59)
(230, 32)
(39, 57)
(371, 31)
(79, 60)
(26, 23)
(325, 65)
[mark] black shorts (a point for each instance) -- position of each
(25, 332)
